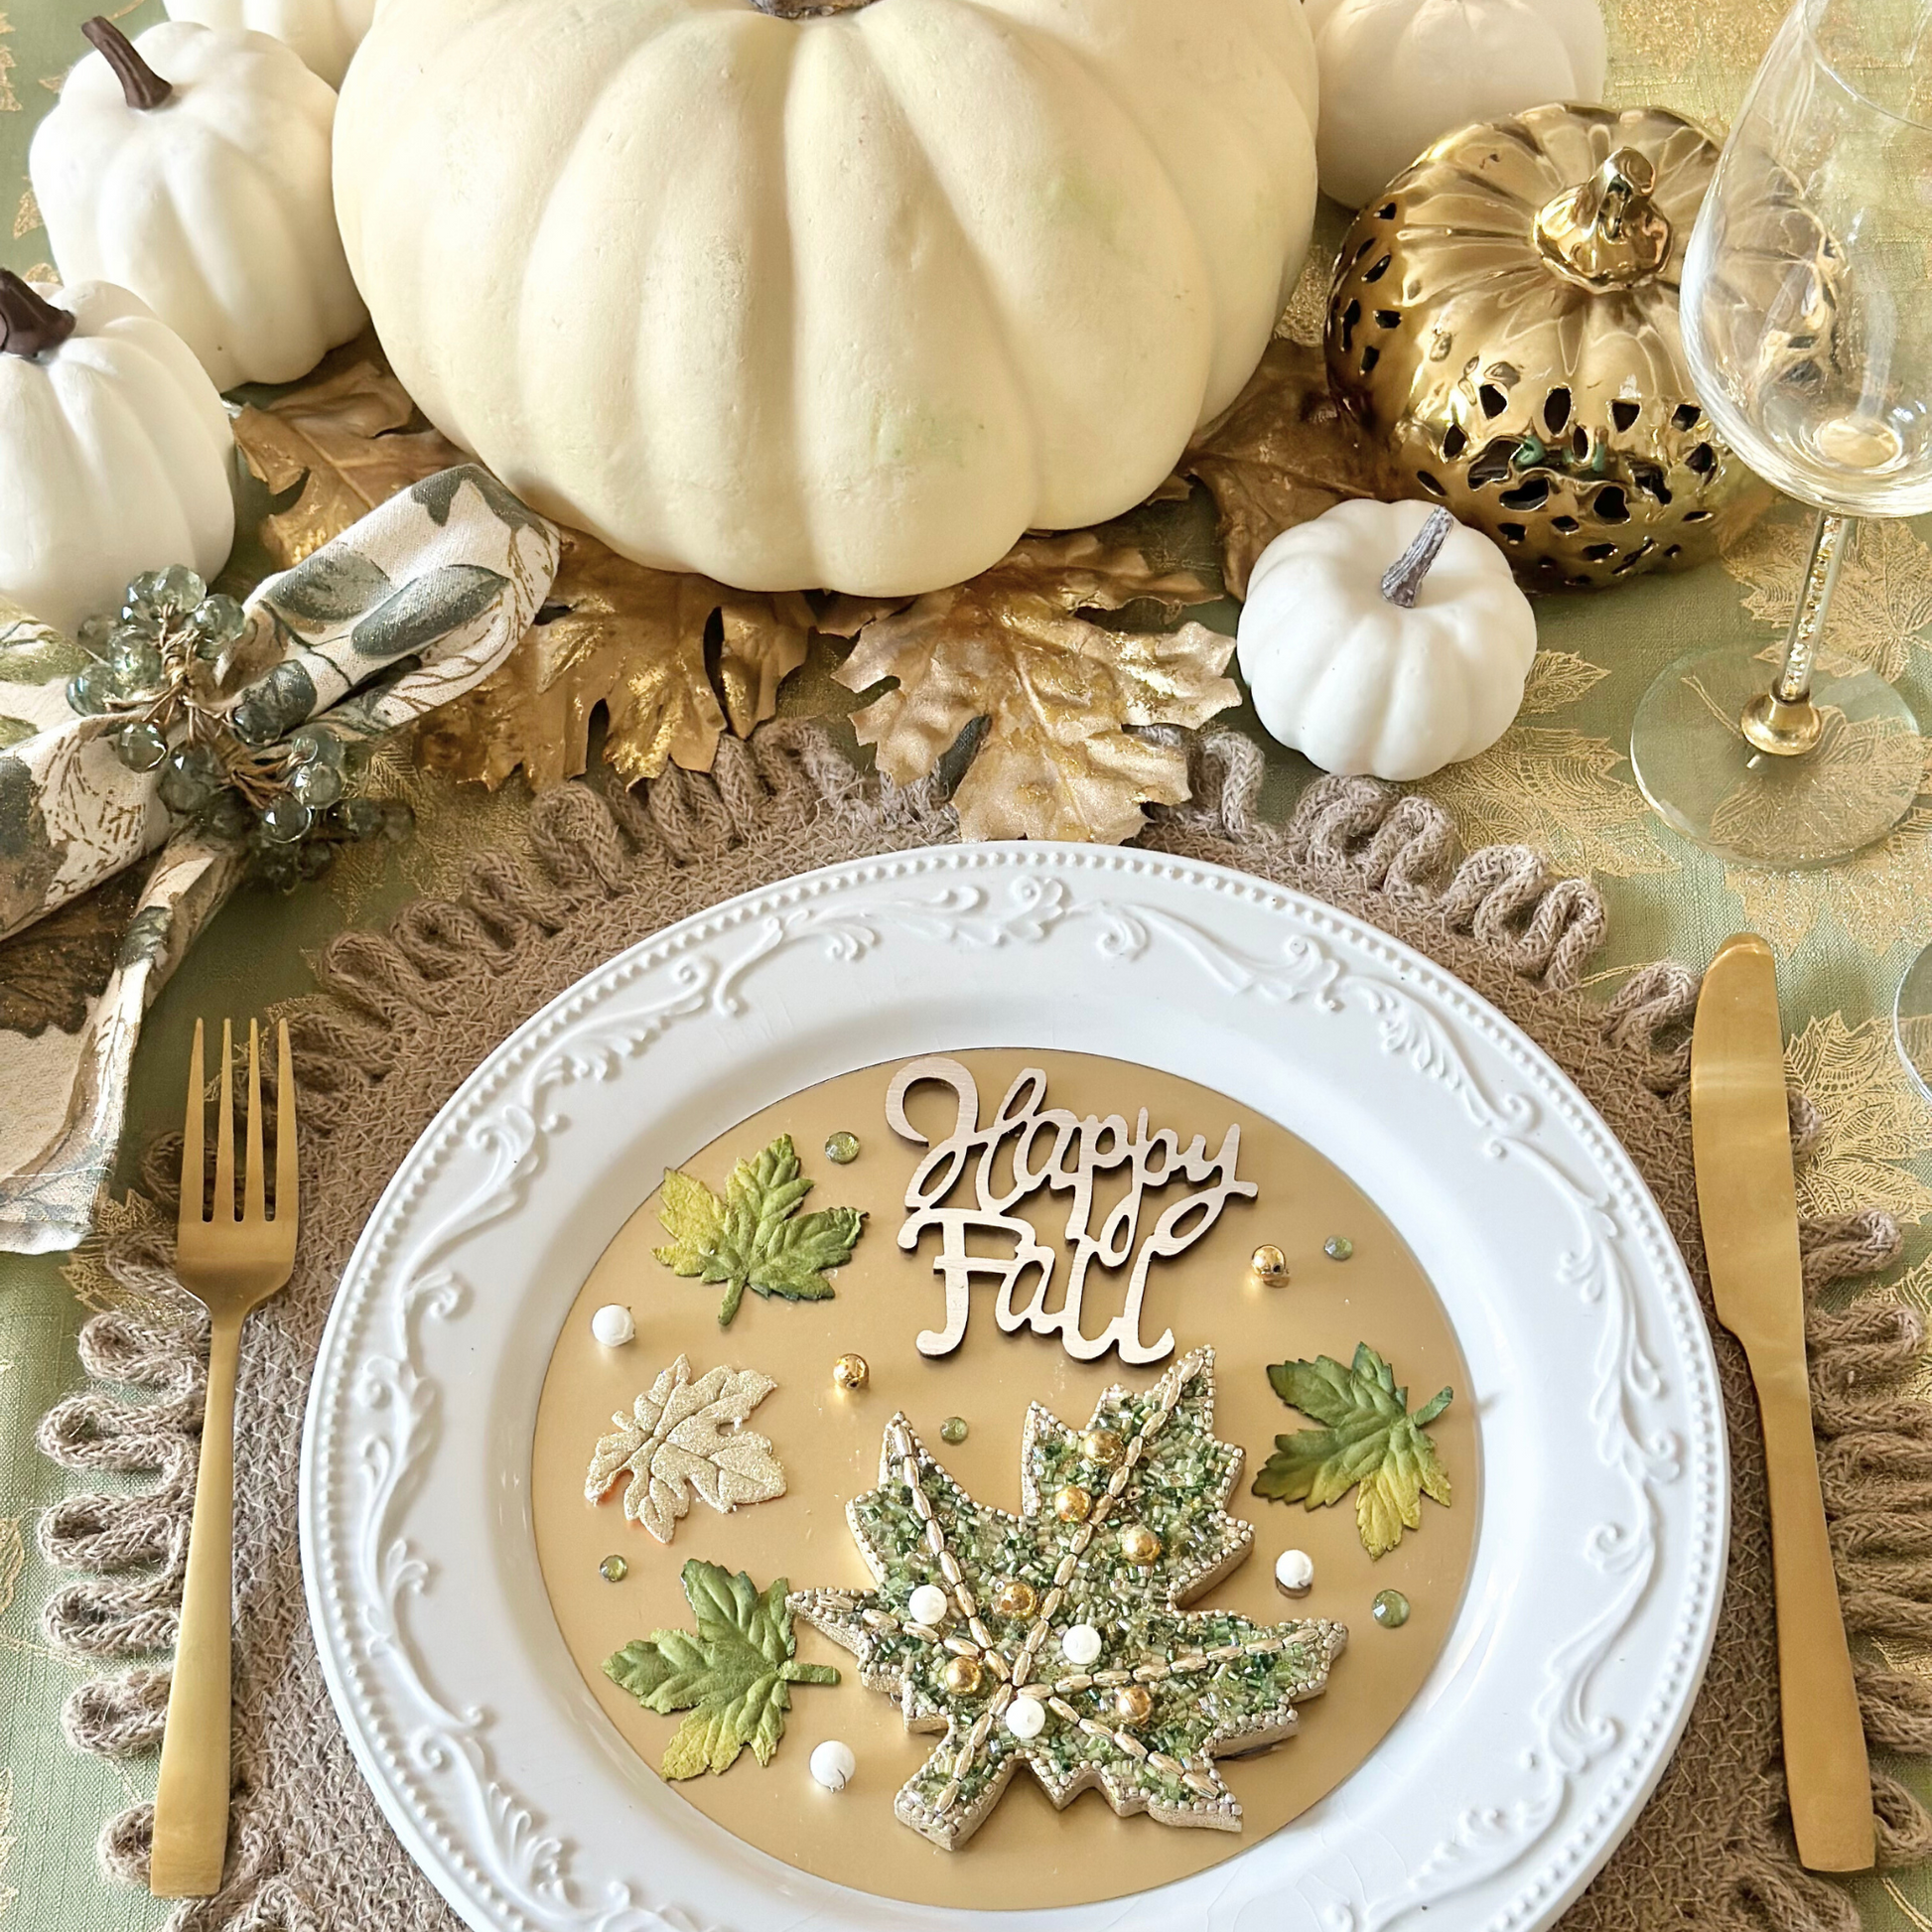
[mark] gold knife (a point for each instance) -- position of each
(1741, 1136)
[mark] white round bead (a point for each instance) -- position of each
(1026, 1717)
(928, 1604)
(833, 1764)
(613, 1326)
(1080, 1646)
(1294, 1572)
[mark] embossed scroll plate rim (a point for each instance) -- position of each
(1591, 1605)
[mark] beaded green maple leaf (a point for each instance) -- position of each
(1121, 1524)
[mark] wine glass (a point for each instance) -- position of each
(1807, 318)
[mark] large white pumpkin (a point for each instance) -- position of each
(114, 453)
(1399, 74)
(850, 300)
(213, 205)
(323, 32)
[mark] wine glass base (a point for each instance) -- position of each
(1711, 785)
(1912, 1016)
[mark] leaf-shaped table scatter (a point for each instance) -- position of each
(683, 1436)
(754, 1237)
(1368, 1439)
(632, 639)
(1280, 455)
(732, 1675)
(1060, 694)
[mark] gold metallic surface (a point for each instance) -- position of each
(1073, 1504)
(1015, 1598)
(1139, 1545)
(851, 1372)
(1503, 326)
(1133, 1704)
(1103, 1447)
(964, 1676)
(1268, 1263)
(1787, 730)
(1741, 1134)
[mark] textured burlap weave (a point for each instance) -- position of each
(406, 1016)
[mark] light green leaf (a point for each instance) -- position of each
(1369, 1438)
(754, 1237)
(16, 731)
(426, 608)
(33, 653)
(732, 1675)
(331, 587)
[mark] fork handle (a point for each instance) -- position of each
(191, 1805)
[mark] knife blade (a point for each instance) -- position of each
(1740, 1140)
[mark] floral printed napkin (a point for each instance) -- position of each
(409, 607)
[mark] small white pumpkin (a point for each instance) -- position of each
(115, 452)
(193, 168)
(849, 299)
(1346, 672)
(325, 33)
(1399, 74)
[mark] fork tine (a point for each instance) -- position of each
(225, 1132)
(255, 1179)
(285, 1181)
(193, 1182)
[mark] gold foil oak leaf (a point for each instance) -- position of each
(343, 441)
(632, 639)
(1058, 694)
(1280, 455)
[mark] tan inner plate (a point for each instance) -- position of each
(1026, 1854)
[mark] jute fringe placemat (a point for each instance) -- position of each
(407, 1013)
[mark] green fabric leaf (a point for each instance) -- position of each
(731, 1675)
(754, 1237)
(1369, 1443)
(438, 493)
(332, 587)
(32, 653)
(426, 608)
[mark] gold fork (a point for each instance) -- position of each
(229, 1266)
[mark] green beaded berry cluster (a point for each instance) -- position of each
(258, 773)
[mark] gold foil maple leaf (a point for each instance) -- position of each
(1278, 455)
(1058, 694)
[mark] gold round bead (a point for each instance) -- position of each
(964, 1676)
(851, 1372)
(1269, 1263)
(1133, 1704)
(1073, 1504)
(1016, 1597)
(1138, 1545)
(1104, 1446)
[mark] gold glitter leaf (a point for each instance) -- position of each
(684, 1438)
(1059, 693)
(1280, 455)
(344, 437)
(1873, 1121)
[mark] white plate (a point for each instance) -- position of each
(1598, 1559)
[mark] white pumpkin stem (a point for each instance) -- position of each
(140, 84)
(807, 9)
(28, 322)
(1403, 578)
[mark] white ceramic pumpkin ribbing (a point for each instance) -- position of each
(114, 459)
(1358, 683)
(213, 207)
(325, 33)
(1399, 74)
(847, 301)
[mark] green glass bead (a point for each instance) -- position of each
(316, 784)
(190, 777)
(135, 663)
(1337, 1247)
(314, 857)
(1390, 1609)
(314, 744)
(614, 1570)
(842, 1148)
(285, 819)
(176, 589)
(254, 723)
(953, 1430)
(141, 745)
(91, 691)
(217, 622)
(96, 634)
(227, 816)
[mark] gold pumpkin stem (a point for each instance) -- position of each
(141, 86)
(1401, 581)
(1606, 233)
(29, 323)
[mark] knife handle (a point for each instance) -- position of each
(1825, 1761)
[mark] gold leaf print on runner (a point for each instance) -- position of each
(1853, 765)
(1883, 601)
(1877, 900)
(7, 1840)
(1559, 678)
(1875, 1121)
(13, 1560)
(1561, 791)
(27, 216)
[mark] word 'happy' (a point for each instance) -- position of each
(1052, 1148)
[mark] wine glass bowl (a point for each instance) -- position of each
(1806, 312)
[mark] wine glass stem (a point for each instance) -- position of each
(1814, 602)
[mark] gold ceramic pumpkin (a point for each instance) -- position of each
(1504, 327)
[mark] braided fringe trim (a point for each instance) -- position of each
(146, 1358)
